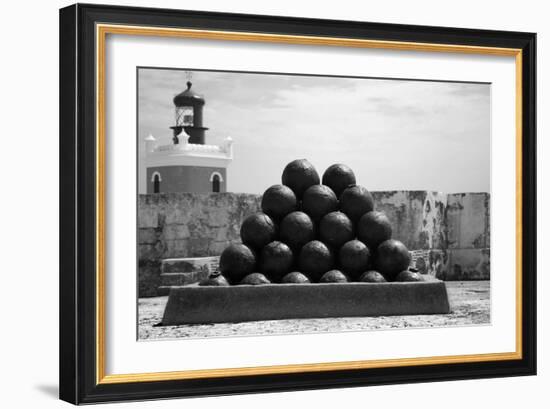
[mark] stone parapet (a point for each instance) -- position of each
(450, 232)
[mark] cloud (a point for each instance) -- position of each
(411, 134)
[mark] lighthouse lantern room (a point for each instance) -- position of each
(187, 164)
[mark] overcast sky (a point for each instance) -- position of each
(395, 134)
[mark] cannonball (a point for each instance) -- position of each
(237, 261)
(409, 276)
(338, 177)
(296, 229)
(276, 260)
(355, 201)
(335, 229)
(372, 276)
(257, 230)
(295, 278)
(373, 228)
(299, 175)
(255, 279)
(319, 200)
(278, 201)
(315, 259)
(354, 257)
(392, 257)
(334, 276)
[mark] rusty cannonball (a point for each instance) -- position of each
(257, 230)
(255, 279)
(295, 278)
(338, 177)
(373, 228)
(319, 200)
(299, 175)
(392, 257)
(237, 261)
(409, 276)
(334, 276)
(355, 201)
(296, 229)
(276, 260)
(354, 257)
(315, 259)
(215, 279)
(335, 229)
(278, 201)
(372, 276)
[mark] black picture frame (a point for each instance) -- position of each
(78, 217)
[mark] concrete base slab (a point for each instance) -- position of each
(207, 305)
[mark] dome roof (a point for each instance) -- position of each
(188, 97)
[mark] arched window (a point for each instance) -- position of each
(216, 184)
(216, 178)
(156, 184)
(156, 179)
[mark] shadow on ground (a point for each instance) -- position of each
(50, 390)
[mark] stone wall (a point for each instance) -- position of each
(174, 225)
(416, 216)
(449, 234)
(468, 236)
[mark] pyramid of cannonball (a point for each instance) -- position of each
(314, 229)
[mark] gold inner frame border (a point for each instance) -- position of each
(102, 30)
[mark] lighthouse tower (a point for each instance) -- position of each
(187, 164)
(189, 107)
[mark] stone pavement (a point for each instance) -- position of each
(470, 304)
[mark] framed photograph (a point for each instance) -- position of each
(258, 203)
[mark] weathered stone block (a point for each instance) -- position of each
(147, 216)
(148, 278)
(405, 209)
(216, 247)
(153, 252)
(216, 218)
(468, 220)
(147, 236)
(433, 231)
(179, 213)
(468, 264)
(198, 246)
(432, 262)
(176, 248)
(175, 232)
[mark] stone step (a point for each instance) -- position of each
(163, 290)
(185, 271)
(189, 264)
(183, 278)
(168, 280)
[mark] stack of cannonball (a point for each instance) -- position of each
(313, 230)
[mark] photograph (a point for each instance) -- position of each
(277, 203)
